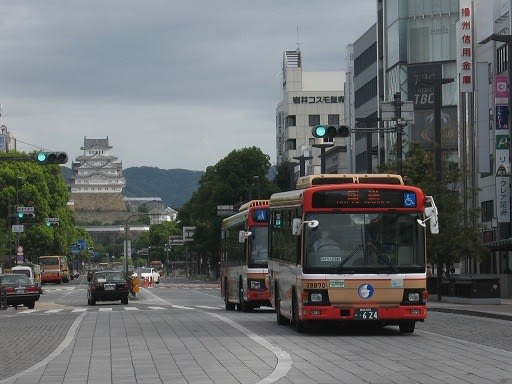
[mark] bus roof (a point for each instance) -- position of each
(243, 214)
(348, 178)
(253, 203)
(303, 197)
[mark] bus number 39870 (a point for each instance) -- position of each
(316, 284)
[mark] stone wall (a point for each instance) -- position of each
(104, 208)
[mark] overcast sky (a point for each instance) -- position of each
(172, 84)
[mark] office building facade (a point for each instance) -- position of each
(308, 99)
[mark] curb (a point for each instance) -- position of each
(469, 312)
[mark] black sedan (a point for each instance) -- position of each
(17, 289)
(107, 286)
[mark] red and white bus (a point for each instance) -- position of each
(350, 248)
(244, 257)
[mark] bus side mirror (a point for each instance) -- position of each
(431, 215)
(243, 235)
(297, 224)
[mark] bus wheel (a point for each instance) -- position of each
(229, 306)
(407, 327)
(298, 324)
(281, 320)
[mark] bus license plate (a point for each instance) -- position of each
(366, 314)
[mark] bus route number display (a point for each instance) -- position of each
(364, 198)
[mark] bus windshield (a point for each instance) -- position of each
(259, 247)
(359, 242)
(50, 260)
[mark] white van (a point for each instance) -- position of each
(32, 271)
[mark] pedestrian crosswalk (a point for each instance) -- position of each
(102, 308)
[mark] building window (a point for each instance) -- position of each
(291, 145)
(291, 121)
(333, 119)
(501, 59)
(314, 120)
(487, 210)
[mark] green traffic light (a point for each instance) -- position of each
(20, 215)
(51, 157)
(319, 131)
(41, 157)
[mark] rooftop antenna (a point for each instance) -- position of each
(298, 42)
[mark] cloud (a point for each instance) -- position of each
(173, 84)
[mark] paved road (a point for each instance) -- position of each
(178, 334)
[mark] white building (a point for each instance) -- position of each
(97, 171)
(309, 99)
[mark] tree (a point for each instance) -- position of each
(25, 183)
(229, 182)
(284, 177)
(458, 236)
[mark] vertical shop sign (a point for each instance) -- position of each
(502, 134)
(465, 47)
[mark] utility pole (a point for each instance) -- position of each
(399, 131)
(400, 112)
(438, 103)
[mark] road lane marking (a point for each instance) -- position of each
(181, 307)
(79, 310)
(28, 311)
(60, 348)
(284, 360)
(209, 307)
(105, 309)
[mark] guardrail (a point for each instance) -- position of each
(466, 286)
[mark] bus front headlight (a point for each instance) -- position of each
(413, 297)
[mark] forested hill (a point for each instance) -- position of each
(174, 186)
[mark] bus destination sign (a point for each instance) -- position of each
(364, 198)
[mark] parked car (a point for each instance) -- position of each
(32, 271)
(149, 273)
(107, 286)
(17, 289)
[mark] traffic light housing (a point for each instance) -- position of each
(330, 131)
(52, 222)
(44, 157)
(23, 213)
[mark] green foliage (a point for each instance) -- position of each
(24, 183)
(231, 181)
(284, 177)
(458, 237)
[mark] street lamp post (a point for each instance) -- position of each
(322, 147)
(302, 164)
